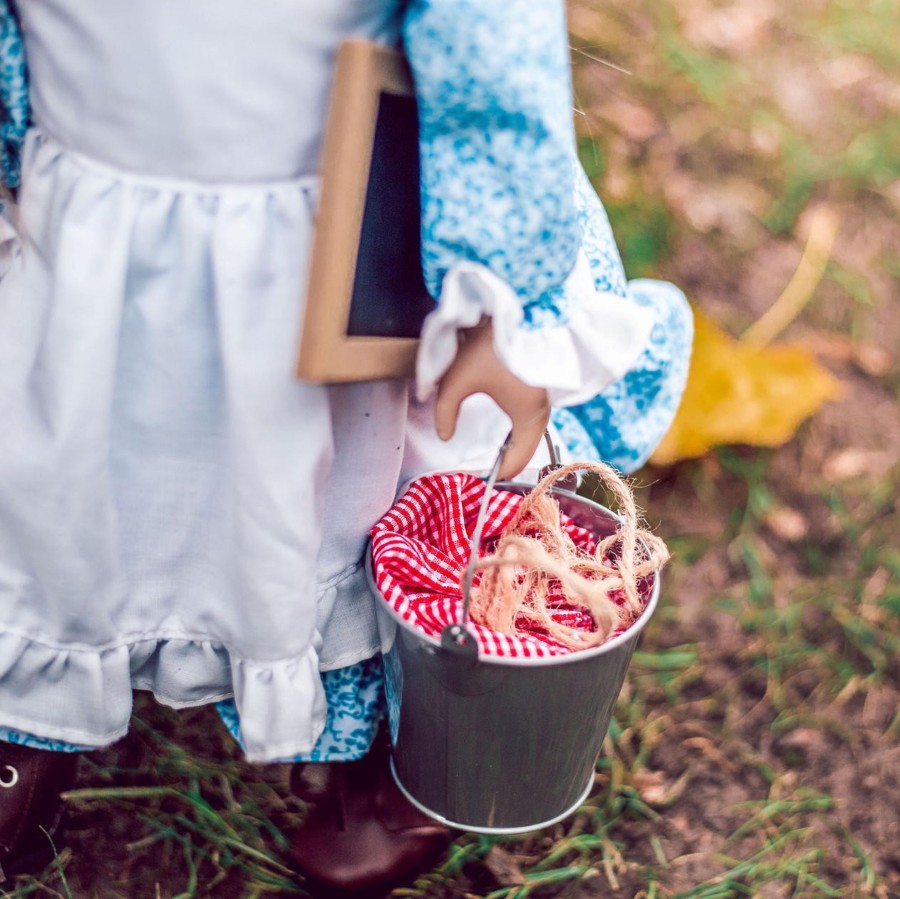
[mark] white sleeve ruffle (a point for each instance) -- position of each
(574, 358)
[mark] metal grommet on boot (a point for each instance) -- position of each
(31, 810)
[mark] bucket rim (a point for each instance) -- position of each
(569, 658)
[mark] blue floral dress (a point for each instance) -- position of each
(511, 228)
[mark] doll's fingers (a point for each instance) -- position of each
(523, 442)
(450, 396)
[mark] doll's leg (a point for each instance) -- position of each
(33, 773)
(359, 831)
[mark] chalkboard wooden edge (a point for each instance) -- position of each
(363, 71)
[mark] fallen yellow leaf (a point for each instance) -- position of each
(740, 392)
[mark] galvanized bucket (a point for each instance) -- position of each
(500, 745)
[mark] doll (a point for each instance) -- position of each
(177, 512)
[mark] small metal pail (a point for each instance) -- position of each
(500, 745)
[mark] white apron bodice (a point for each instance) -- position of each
(212, 90)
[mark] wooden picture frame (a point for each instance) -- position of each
(366, 297)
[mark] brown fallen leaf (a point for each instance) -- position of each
(807, 738)
(873, 360)
(876, 586)
(651, 785)
(787, 523)
(503, 867)
(729, 28)
(637, 123)
(870, 358)
(854, 462)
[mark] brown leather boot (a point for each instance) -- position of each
(360, 834)
(30, 783)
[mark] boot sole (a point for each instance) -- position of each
(323, 889)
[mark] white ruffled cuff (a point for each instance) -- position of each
(600, 340)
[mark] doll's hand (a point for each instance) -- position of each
(477, 369)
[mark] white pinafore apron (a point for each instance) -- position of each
(177, 512)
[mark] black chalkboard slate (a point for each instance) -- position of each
(366, 299)
(389, 296)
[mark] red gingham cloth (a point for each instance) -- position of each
(420, 550)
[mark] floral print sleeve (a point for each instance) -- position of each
(13, 95)
(511, 228)
(494, 96)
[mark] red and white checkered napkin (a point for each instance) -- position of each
(420, 550)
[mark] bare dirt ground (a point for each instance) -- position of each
(755, 747)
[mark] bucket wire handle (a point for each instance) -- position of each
(553, 452)
(479, 527)
(457, 634)
(554, 464)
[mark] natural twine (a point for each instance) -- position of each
(535, 559)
